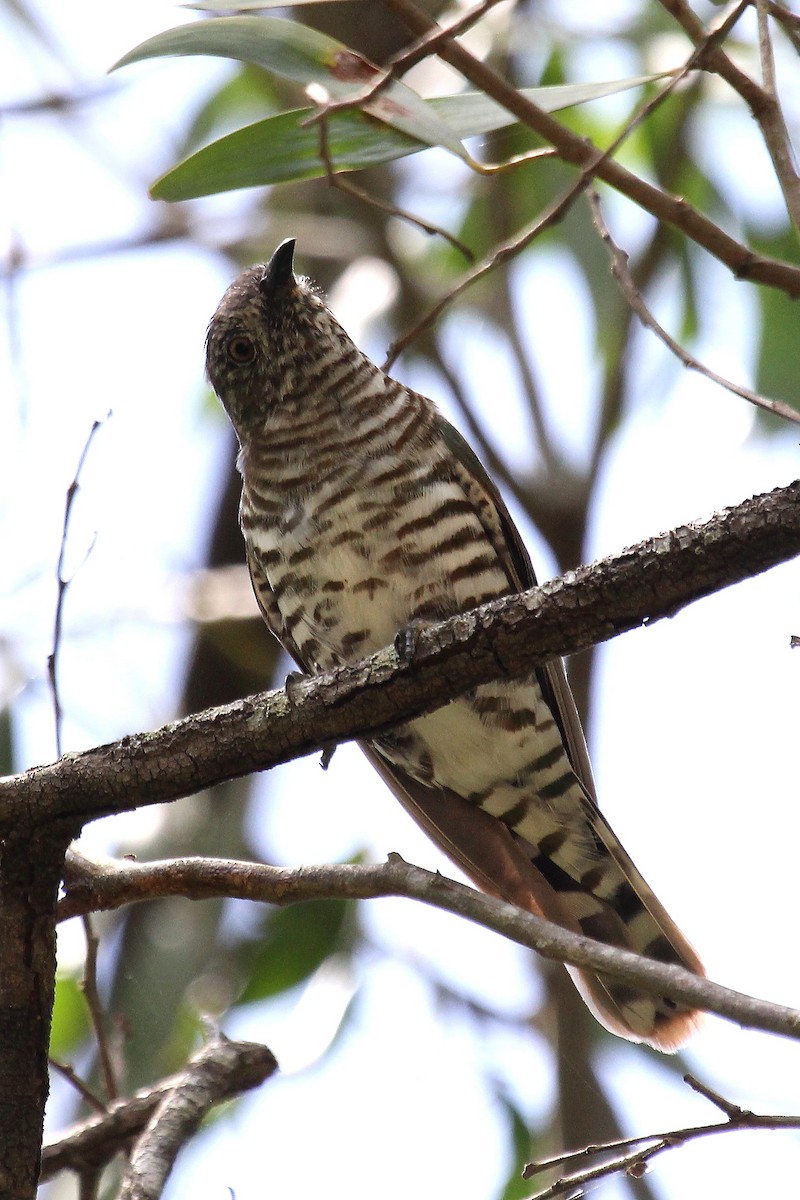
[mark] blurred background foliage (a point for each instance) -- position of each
(165, 965)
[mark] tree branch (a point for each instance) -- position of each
(674, 210)
(224, 1068)
(505, 638)
(31, 862)
(94, 886)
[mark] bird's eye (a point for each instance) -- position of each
(241, 349)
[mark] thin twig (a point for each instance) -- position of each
(761, 100)
(715, 60)
(635, 1163)
(619, 379)
(92, 996)
(789, 22)
(620, 271)
(731, 1110)
(80, 1086)
(93, 886)
(397, 65)
(336, 180)
(63, 584)
(772, 122)
(502, 254)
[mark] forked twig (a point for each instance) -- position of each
(397, 65)
(220, 1071)
(635, 1163)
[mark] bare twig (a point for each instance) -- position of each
(789, 22)
(96, 1014)
(728, 1107)
(337, 180)
(80, 1086)
(715, 59)
(762, 100)
(108, 885)
(635, 1163)
(504, 253)
(220, 1070)
(233, 1067)
(63, 584)
(620, 271)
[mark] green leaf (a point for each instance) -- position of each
(307, 57)
(516, 1188)
(279, 148)
(70, 1025)
(6, 742)
(297, 940)
(778, 366)
(243, 97)
(289, 49)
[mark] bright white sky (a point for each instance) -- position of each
(694, 741)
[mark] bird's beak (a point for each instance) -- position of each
(280, 268)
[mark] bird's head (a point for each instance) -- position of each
(269, 330)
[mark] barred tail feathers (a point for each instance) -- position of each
(611, 902)
(615, 905)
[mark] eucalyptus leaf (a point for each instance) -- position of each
(296, 940)
(280, 148)
(70, 1024)
(308, 57)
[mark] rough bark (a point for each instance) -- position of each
(507, 637)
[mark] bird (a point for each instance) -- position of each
(365, 514)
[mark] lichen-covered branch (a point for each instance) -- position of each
(504, 638)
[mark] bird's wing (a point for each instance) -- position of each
(269, 607)
(503, 864)
(512, 552)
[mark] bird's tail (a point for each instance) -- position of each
(578, 876)
(613, 903)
